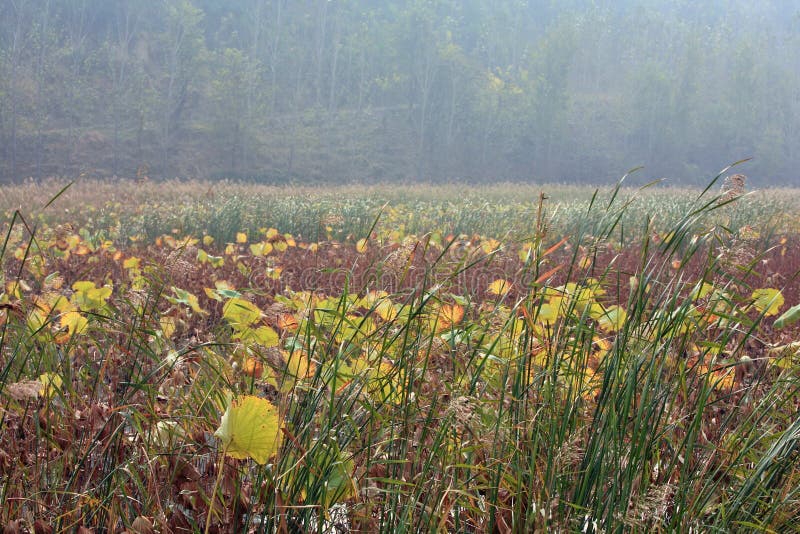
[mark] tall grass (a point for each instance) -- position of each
(128, 209)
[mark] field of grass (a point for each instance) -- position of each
(222, 357)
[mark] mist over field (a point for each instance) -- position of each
(420, 90)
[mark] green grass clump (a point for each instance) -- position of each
(221, 209)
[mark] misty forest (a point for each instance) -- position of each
(375, 91)
(399, 266)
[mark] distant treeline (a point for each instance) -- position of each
(372, 90)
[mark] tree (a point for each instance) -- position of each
(182, 51)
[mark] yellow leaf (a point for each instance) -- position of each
(768, 301)
(241, 237)
(361, 246)
(74, 322)
(449, 316)
(167, 326)
(500, 287)
(188, 299)
(15, 289)
(131, 263)
(253, 367)
(723, 379)
(99, 294)
(250, 428)
(386, 310)
(490, 245)
(51, 383)
(263, 335)
(83, 286)
(36, 321)
(299, 366)
(260, 249)
(61, 304)
(287, 321)
(207, 240)
(240, 313)
(613, 319)
(547, 313)
(701, 290)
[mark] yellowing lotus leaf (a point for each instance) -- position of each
(490, 245)
(263, 335)
(339, 483)
(82, 286)
(240, 313)
(15, 288)
(287, 321)
(99, 294)
(51, 383)
(613, 319)
(188, 299)
(74, 322)
(386, 310)
(260, 249)
(61, 304)
(210, 293)
(298, 364)
(703, 289)
(36, 320)
(168, 325)
(250, 428)
(500, 287)
(131, 263)
(767, 301)
(298, 367)
(547, 313)
(449, 315)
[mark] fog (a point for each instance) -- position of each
(331, 91)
